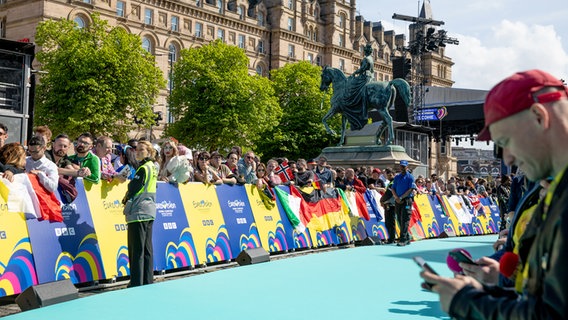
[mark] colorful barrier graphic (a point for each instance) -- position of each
(196, 224)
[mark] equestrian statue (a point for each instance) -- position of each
(357, 94)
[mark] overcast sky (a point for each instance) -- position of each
(496, 37)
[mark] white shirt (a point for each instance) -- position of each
(48, 176)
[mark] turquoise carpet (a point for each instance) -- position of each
(375, 282)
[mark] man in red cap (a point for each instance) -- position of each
(375, 182)
(527, 116)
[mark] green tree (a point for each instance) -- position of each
(216, 103)
(301, 133)
(97, 79)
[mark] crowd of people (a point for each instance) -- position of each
(526, 115)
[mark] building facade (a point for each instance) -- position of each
(272, 33)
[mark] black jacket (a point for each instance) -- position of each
(546, 292)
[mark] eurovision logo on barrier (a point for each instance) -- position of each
(206, 222)
(236, 209)
(172, 239)
(105, 202)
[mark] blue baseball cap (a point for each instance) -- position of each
(404, 163)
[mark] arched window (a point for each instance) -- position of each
(259, 70)
(342, 20)
(260, 18)
(240, 12)
(172, 53)
(80, 22)
(147, 44)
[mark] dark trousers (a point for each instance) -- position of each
(390, 222)
(140, 253)
(403, 212)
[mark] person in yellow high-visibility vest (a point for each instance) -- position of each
(140, 212)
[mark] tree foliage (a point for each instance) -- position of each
(300, 133)
(216, 103)
(97, 78)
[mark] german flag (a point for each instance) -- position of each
(321, 210)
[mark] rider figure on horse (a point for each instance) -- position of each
(358, 80)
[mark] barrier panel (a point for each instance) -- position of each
(430, 224)
(199, 224)
(105, 203)
(206, 222)
(237, 212)
(172, 239)
(268, 220)
(17, 270)
(67, 249)
(445, 222)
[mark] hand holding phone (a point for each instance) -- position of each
(426, 267)
(461, 256)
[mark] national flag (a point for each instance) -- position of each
(415, 225)
(372, 198)
(22, 197)
(321, 210)
(476, 204)
(50, 207)
(317, 183)
(291, 204)
(357, 204)
(284, 171)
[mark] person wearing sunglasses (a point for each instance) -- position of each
(247, 168)
(173, 168)
(204, 172)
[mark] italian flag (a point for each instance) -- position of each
(291, 204)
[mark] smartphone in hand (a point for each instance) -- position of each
(426, 267)
(460, 256)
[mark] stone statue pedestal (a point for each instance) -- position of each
(361, 149)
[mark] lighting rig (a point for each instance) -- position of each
(425, 39)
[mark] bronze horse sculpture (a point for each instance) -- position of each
(377, 95)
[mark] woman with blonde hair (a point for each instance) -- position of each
(140, 212)
(174, 168)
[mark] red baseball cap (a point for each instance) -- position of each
(515, 94)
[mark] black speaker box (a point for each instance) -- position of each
(47, 294)
(369, 241)
(447, 234)
(254, 255)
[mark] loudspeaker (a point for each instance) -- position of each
(254, 255)
(369, 241)
(447, 234)
(47, 294)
